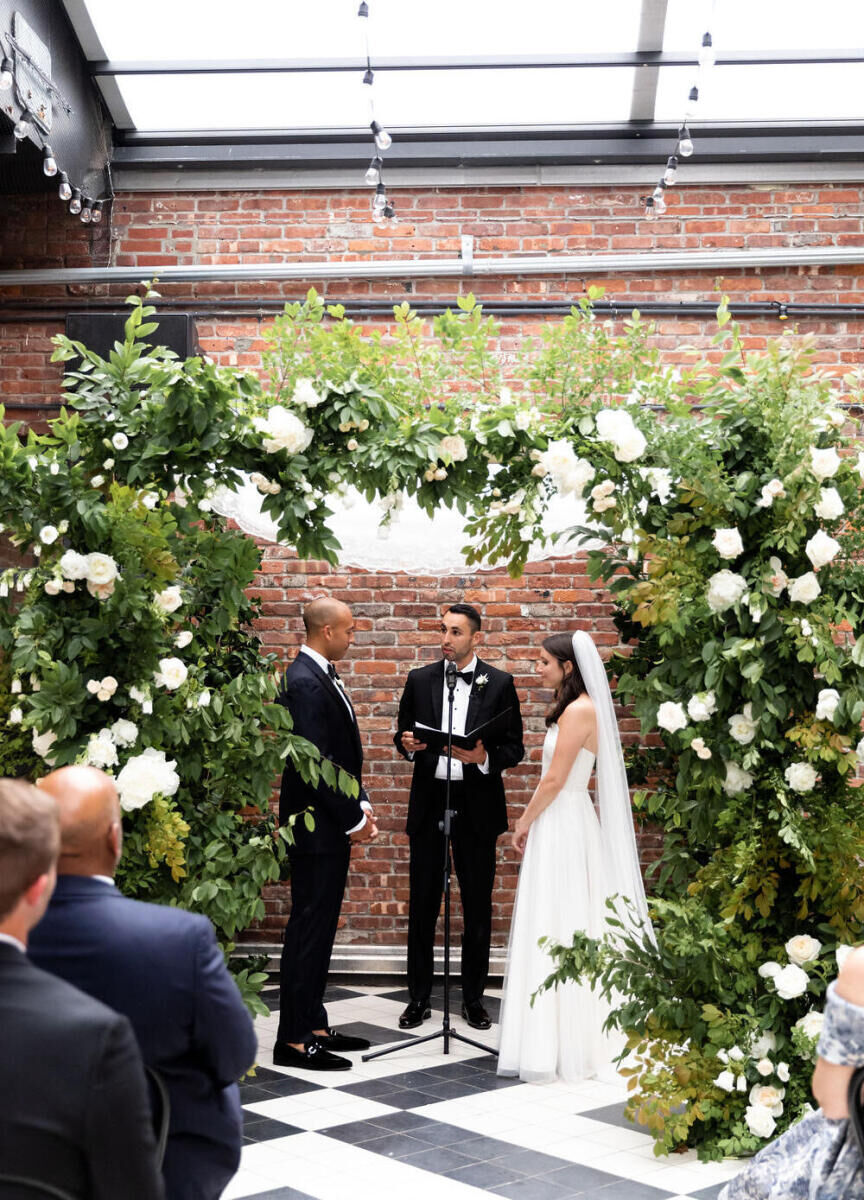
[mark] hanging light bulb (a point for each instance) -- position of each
(21, 126)
(707, 55)
(693, 98)
(49, 162)
(363, 10)
(649, 208)
(6, 74)
(382, 138)
(369, 77)
(87, 211)
(378, 218)
(64, 191)
(379, 203)
(671, 172)
(373, 175)
(389, 211)
(97, 212)
(659, 204)
(658, 191)
(685, 142)
(75, 202)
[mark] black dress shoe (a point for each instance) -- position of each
(415, 1014)
(476, 1015)
(313, 1057)
(334, 1040)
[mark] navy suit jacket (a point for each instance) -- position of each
(73, 1101)
(163, 969)
(322, 717)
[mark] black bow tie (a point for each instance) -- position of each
(466, 675)
(331, 671)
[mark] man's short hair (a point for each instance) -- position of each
(29, 839)
(469, 611)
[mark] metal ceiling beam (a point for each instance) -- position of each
(478, 62)
(652, 26)
(710, 261)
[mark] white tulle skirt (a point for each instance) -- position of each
(563, 886)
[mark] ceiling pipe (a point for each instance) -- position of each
(439, 268)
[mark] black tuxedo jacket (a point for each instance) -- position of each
(322, 717)
(74, 1110)
(485, 805)
(163, 969)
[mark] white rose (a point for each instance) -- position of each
(811, 1024)
(150, 499)
(108, 464)
(183, 638)
(826, 704)
(737, 779)
(701, 706)
(16, 716)
(97, 481)
(725, 588)
(539, 471)
(821, 549)
(93, 686)
(736, 1054)
(453, 447)
(772, 490)
(504, 428)
(841, 954)
(284, 430)
(759, 1121)
(119, 441)
(68, 585)
(522, 419)
(101, 591)
(171, 674)
(74, 565)
(671, 716)
(829, 506)
(824, 463)
(791, 982)
(101, 569)
(765, 1095)
(769, 970)
(613, 424)
(631, 446)
(53, 587)
(48, 534)
(783, 1072)
(725, 1080)
(169, 599)
(305, 394)
(124, 733)
(804, 589)
(439, 473)
(742, 727)
(803, 949)
(765, 1067)
(801, 777)
(526, 533)
(701, 750)
(727, 543)
(101, 751)
(659, 480)
(145, 776)
(352, 444)
(764, 1043)
(779, 579)
(42, 743)
(107, 688)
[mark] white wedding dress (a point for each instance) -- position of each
(564, 882)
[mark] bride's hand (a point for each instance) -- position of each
(520, 836)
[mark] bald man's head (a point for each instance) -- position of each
(90, 829)
(329, 627)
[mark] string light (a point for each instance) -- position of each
(685, 142)
(6, 74)
(75, 201)
(21, 126)
(671, 172)
(49, 162)
(382, 138)
(650, 213)
(64, 191)
(87, 211)
(369, 77)
(373, 174)
(707, 54)
(97, 212)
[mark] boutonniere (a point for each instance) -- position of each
(480, 682)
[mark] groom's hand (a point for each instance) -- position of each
(410, 743)
(477, 755)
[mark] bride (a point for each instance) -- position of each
(574, 859)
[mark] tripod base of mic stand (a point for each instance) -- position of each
(446, 1033)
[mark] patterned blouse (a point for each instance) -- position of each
(818, 1158)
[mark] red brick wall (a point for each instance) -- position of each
(397, 614)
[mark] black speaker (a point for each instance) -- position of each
(100, 330)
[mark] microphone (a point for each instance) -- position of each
(450, 674)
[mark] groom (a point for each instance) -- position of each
(477, 795)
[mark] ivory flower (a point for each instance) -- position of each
(183, 638)
(101, 751)
(119, 441)
(73, 565)
(765, 1067)
(48, 534)
(811, 1024)
(101, 569)
(16, 716)
(737, 779)
(783, 1072)
(759, 1121)
(671, 716)
(701, 750)
(769, 970)
(146, 775)
(305, 394)
(284, 430)
(771, 491)
(826, 704)
(742, 726)
(725, 588)
(727, 543)
(453, 447)
(765, 1043)
(124, 733)
(791, 982)
(172, 673)
(821, 549)
(701, 706)
(805, 588)
(829, 506)
(42, 743)
(800, 776)
(766, 1096)
(803, 949)
(824, 463)
(169, 599)
(725, 1080)
(779, 579)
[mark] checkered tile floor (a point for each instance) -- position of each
(420, 1124)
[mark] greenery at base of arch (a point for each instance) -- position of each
(729, 512)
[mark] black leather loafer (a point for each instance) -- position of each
(313, 1057)
(415, 1014)
(476, 1015)
(333, 1040)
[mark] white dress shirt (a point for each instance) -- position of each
(461, 696)
(324, 664)
(13, 941)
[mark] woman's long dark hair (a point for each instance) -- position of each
(560, 646)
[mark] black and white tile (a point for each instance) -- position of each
(419, 1123)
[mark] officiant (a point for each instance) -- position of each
(481, 694)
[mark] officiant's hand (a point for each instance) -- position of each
(410, 743)
(477, 755)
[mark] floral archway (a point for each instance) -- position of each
(728, 500)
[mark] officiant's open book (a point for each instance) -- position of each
(490, 733)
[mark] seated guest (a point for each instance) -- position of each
(163, 969)
(74, 1112)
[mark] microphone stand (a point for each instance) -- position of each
(447, 1032)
